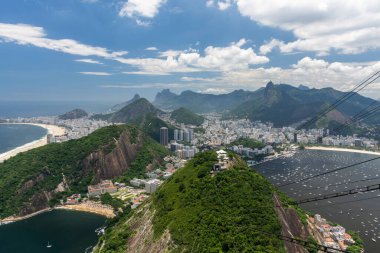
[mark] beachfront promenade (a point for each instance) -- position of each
(51, 129)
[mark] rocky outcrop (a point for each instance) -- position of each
(142, 239)
(38, 202)
(292, 227)
(32, 182)
(115, 163)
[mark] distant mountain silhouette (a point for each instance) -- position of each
(74, 114)
(117, 107)
(281, 104)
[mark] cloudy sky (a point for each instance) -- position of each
(107, 50)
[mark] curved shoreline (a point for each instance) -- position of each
(93, 208)
(343, 150)
(51, 129)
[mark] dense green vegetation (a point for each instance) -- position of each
(248, 143)
(227, 212)
(107, 199)
(42, 169)
(230, 212)
(185, 116)
(358, 246)
(74, 114)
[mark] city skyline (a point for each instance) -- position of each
(96, 50)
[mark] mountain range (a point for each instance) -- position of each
(280, 104)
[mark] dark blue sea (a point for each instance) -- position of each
(15, 135)
(66, 231)
(360, 212)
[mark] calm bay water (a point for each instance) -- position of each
(360, 212)
(66, 231)
(15, 135)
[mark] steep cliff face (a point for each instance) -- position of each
(113, 164)
(39, 178)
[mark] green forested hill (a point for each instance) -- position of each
(230, 212)
(29, 180)
(185, 116)
(140, 113)
(222, 213)
(74, 114)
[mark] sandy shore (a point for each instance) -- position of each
(343, 150)
(90, 207)
(51, 129)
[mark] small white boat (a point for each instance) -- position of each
(49, 245)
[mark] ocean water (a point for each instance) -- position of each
(15, 135)
(25, 109)
(66, 231)
(360, 212)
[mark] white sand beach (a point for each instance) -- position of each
(52, 129)
(343, 150)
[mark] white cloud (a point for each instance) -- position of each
(24, 34)
(151, 48)
(138, 9)
(324, 26)
(96, 73)
(268, 47)
(89, 61)
(169, 53)
(210, 3)
(146, 73)
(309, 63)
(224, 5)
(214, 91)
(221, 4)
(312, 72)
(232, 57)
(198, 79)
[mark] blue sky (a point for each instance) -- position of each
(105, 50)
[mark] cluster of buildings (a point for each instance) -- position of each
(182, 151)
(331, 236)
(223, 132)
(252, 153)
(350, 141)
(105, 186)
(150, 185)
(185, 135)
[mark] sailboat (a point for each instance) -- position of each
(49, 245)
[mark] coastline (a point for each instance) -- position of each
(87, 207)
(342, 150)
(51, 129)
(12, 219)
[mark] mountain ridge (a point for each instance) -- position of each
(281, 104)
